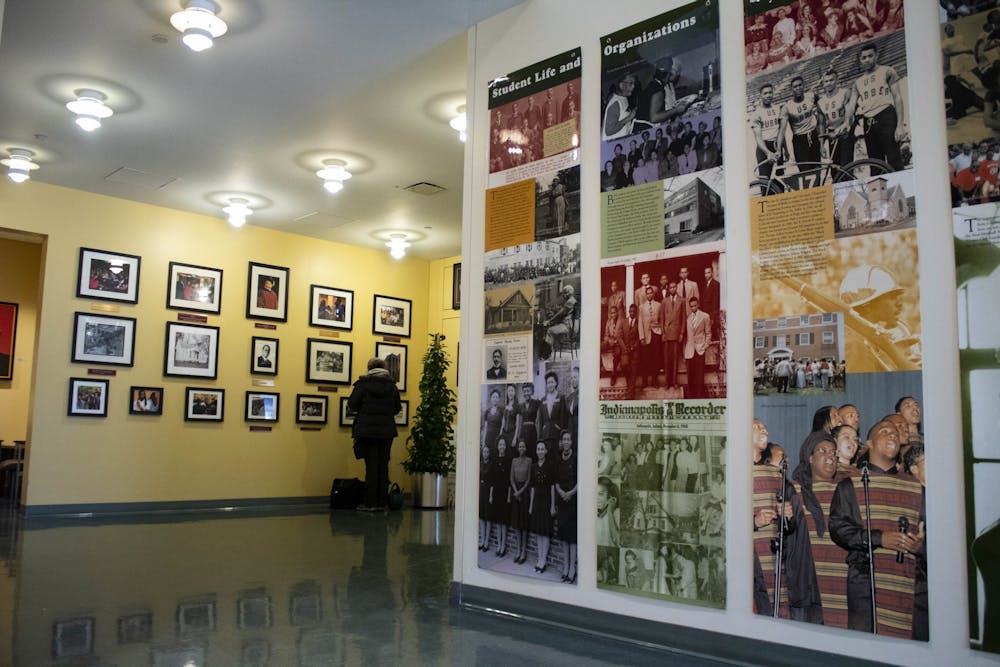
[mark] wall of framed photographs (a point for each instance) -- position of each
(19, 275)
(208, 370)
(510, 42)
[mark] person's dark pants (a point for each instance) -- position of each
(695, 377)
(376, 471)
(672, 352)
(880, 138)
(859, 598)
(806, 149)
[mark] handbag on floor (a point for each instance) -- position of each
(346, 494)
(395, 497)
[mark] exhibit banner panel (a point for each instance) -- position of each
(660, 520)
(530, 374)
(837, 437)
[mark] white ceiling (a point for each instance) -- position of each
(373, 82)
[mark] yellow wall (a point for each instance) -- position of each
(20, 264)
(126, 458)
(440, 316)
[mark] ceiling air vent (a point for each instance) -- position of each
(424, 188)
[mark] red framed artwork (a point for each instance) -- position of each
(8, 335)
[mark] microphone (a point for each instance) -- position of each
(904, 525)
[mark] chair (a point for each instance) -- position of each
(11, 471)
(569, 341)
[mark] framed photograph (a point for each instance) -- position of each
(111, 276)
(103, 339)
(195, 617)
(8, 336)
(87, 398)
(331, 307)
(394, 356)
(267, 292)
(402, 417)
(73, 637)
(145, 401)
(328, 361)
(191, 287)
(263, 356)
(346, 414)
(254, 611)
(392, 316)
(192, 350)
(261, 406)
(135, 628)
(310, 409)
(456, 286)
(204, 404)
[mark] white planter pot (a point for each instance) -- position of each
(429, 490)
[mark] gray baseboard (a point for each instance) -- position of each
(172, 510)
(670, 638)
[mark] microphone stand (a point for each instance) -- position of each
(871, 559)
(781, 539)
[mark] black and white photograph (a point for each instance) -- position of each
(694, 208)
(660, 108)
(205, 404)
(261, 406)
(310, 409)
(103, 339)
(394, 355)
(346, 415)
(145, 401)
(970, 75)
(135, 628)
(392, 316)
(331, 307)
(254, 610)
(87, 398)
(109, 276)
(788, 107)
(508, 309)
(191, 350)
(557, 203)
(267, 292)
(556, 329)
(402, 418)
(192, 287)
(263, 356)
(497, 369)
(526, 262)
(456, 286)
(73, 637)
(328, 362)
(196, 616)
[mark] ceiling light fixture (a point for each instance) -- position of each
(199, 24)
(19, 164)
(89, 108)
(397, 245)
(459, 123)
(334, 173)
(238, 211)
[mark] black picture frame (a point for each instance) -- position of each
(258, 303)
(456, 286)
(88, 397)
(191, 350)
(204, 404)
(392, 316)
(261, 406)
(395, 356)
(345, 416)
(103, 339)
(402, 418)
(311, 409)
(143, 400)
(328, 361)
(261, 361)
(108, 276)
(182, 293)
(8, 338)
(331, 307)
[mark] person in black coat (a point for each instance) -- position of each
(375, 400)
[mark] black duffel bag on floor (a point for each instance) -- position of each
(346, 494)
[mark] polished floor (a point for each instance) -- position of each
(309, 588)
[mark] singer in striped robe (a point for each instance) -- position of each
(895, 536)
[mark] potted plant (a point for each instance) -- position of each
(430, 451)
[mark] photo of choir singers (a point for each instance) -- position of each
(836, 117)
(528, 475)
(664, 336)
(517, 129)
(661, 516)
(839, 530)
